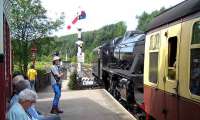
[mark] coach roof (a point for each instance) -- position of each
(177, 12)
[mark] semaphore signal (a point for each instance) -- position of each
(80, 15)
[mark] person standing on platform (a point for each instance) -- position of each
(32, 75)
(56, 75)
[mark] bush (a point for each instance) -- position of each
(41, 73)
(43, 79)
(73, 85)
(41, 65)
(73, 59)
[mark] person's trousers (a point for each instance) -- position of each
(57, 91)
(32, 83)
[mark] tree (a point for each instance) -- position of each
(44, 47)
(91, 40)
(107, 33)
(145, 19)
(28, 23)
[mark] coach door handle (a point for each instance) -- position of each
(164, 79)
(176, 88)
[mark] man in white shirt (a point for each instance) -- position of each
(56, 75)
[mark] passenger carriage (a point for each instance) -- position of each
(172, 64)
(5, 58)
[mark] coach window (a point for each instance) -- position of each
(195, 60)
(153, 58)
(172, 51)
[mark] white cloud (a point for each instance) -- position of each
(102, 12)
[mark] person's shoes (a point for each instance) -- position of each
(54, 111)
(59, 111)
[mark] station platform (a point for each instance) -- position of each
(85, 105)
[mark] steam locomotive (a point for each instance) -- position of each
(120, 66)
(156, 74)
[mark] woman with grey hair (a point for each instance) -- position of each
(18, 111)
(17, 78)
(20, 86)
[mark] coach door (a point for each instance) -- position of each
(171, 80)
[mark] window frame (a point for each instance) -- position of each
(154, 50)
(169, 67)
(192, 47)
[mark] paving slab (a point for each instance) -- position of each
(85, 105)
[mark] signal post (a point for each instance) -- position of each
(80, 54)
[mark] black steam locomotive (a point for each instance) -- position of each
(119, 66)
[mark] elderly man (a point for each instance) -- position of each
(18, 111)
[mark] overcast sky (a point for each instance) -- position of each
(102, 12)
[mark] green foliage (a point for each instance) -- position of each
(45, 58)
(73, 59)
(73, 85)
(108, 33)
(42, 78)
(40, 65)
(67, 44)
(91, 40)
(29, 23)
(47, 45)
(41, 73)
(89, 56)
(145, 19)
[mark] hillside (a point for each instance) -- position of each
(91, 40)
